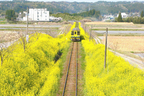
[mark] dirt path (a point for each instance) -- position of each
(131, 60)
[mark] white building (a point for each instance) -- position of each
(37, 15)
(124, 15)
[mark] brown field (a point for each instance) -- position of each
(6, 36)
(126, 43)
(116, 25)
(109, 23)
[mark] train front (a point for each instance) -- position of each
(75, 34)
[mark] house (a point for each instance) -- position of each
(124, 15)
(108, 18)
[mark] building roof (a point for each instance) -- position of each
(75, 29)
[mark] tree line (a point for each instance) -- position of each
(135, 20)
(90, 13)
(73, 7)
(11, 16)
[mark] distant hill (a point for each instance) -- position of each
(74, 7)
(19, 0)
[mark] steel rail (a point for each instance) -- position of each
(77, 70)
(68, 71)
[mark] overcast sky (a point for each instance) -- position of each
(85, 0)
(78, 0)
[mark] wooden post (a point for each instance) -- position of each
(105, 48)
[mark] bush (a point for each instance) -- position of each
(119, 78)
(33, 71)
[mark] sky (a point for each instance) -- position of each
(85, 0)
(77, 0)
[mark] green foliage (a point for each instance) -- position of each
(75, 7)
(20, 7)
(142, 14)
(135, 20)
(119, 19)
(3, 21)
(91, 13)
(67, 16)
(78, 16)
(77, 24)
(10, 15)
(33, 71)
(119, 77)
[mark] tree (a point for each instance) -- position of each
(10, 15)
(142, 14)
(119, 18)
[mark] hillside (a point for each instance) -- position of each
(74, 7)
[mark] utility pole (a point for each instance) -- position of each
(27, 36)
(27, 22)
(105, 48)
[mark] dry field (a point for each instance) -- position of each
(116, 25)
(6, 36)
(126, 43)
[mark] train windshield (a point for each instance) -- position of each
(78, 33)
(72, 33)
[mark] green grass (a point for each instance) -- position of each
(67, 17)
(82, 62)
(62, 62)
(82, 58)
(3, 21)
(63, 57)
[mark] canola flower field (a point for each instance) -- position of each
(118, 79)
(33, 71)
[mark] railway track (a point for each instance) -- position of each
(71, 81)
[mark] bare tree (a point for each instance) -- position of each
(22, 39)
(1, 54)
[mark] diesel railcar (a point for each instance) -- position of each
(75, 34)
